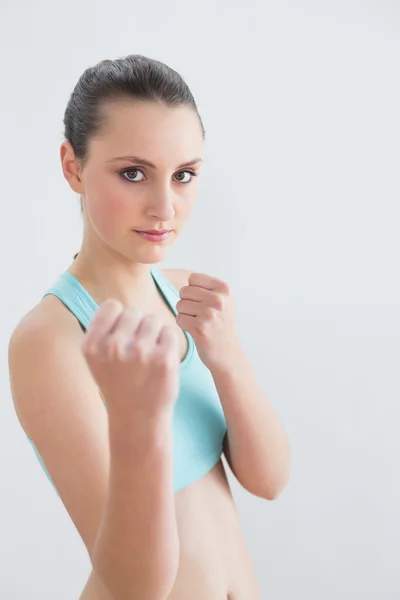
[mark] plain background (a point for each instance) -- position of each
(298, 210)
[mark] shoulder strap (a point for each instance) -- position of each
(169, 292)
(75, 297)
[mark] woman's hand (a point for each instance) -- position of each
(133, 358)
(206, 312)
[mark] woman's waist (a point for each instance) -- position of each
(214, 562)
(214, 559)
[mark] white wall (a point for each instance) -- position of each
(300, 101)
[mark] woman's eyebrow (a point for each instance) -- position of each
(143, 161)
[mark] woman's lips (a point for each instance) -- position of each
(153, 237)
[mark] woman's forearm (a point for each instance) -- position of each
(136, 551)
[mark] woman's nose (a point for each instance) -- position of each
(161, 206)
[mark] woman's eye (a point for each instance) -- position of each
(191, 173)
(131, 171)
(133, 179)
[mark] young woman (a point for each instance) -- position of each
(130, 381)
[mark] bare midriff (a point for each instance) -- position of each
(215, 563)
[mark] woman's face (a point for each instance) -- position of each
(121, 195)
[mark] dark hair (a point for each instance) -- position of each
(133, 77)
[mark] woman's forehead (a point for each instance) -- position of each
(152, 133)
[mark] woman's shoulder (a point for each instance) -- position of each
(43, 334)
(48, 315)
(46, 367)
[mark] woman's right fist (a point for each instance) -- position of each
(133, 358)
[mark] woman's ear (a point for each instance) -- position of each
(71, 167)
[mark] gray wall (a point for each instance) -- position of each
(301, 105)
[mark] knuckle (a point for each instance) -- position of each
(139, 351)
(115, 344)
(108, 310)
(110, 346)
(225, 288)
(219, 302)
(110, 306)
(202, 327)
(213, 315)
(210, 315)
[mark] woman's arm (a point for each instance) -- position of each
(137, 547)
(117, 492)
(256, 445)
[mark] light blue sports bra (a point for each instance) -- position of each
(198, 421)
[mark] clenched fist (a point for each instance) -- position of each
(134, 359)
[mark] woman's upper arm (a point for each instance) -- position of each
(59, 407)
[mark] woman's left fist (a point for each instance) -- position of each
(205, 310)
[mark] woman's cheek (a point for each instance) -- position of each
(108, 214)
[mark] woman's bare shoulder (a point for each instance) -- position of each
(44, 342)
(48, 315)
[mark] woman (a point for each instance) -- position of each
(129, 380)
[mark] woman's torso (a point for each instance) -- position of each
(214, 559)
(215, 563)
